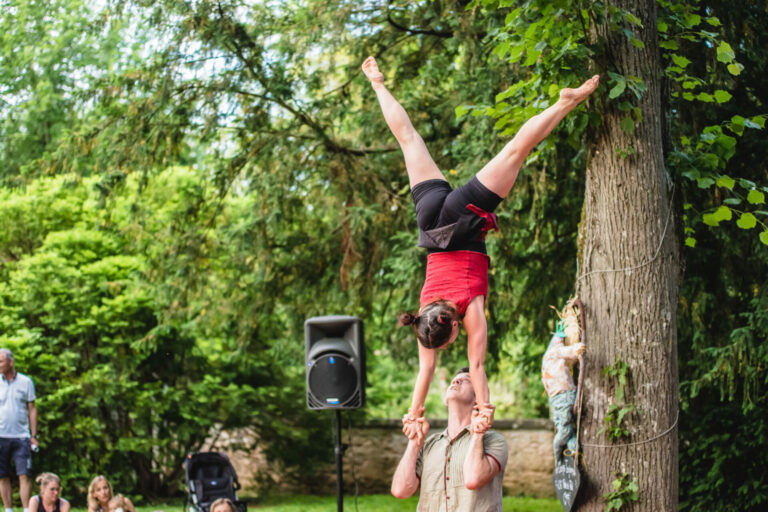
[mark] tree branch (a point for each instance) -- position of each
(414, 31)
(330, 144)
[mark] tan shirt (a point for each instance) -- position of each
(440, 467)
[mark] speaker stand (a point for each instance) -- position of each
(339, 451)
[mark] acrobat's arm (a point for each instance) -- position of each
(427, 364)
(477, 342)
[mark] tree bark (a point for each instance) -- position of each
(629, 223)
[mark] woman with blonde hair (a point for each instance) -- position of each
(49, 499)
(99, 494)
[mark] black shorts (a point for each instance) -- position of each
(18, 450)
(438, 205)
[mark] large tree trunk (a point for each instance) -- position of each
(630, 314)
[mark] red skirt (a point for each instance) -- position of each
(458, 276)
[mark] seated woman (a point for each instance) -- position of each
(48, 500)
(222, 505)
(99, 494)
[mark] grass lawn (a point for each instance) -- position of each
(383, 503)
(368, 503)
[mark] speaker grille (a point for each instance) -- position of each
(332, 380)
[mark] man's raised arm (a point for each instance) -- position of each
(481, 465)
(406, 481)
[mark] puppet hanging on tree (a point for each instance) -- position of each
(564, 350)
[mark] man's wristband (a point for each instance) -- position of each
(34, 437)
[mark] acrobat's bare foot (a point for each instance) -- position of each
(371, 70)
(575, 96)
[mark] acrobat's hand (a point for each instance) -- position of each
(580, 348)
(414, 414)
(416, 430)
(411, 429)
(486, 411)
(421, 432)
(410, 422)
(478, 425)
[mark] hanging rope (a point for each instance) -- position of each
(579, 392)
(656, 254)
(581, 321)
(674, 424)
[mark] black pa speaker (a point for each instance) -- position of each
(335, 362)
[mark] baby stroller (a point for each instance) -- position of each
(210, 476)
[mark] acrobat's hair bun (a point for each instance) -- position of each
(407, 319)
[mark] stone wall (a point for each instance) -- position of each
(375, 450)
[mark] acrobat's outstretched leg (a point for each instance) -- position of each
(501, 172)
(418, 161)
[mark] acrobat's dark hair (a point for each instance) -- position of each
(434, 325)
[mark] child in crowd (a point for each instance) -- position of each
(223, 505)
(117, 504)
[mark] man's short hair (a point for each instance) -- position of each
(8, 354)
(462, 370)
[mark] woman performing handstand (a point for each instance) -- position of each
(452, 226)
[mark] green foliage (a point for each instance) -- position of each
(614, 417)
(625, 492)
(52, 51)
(702, 158)
(90, 318)
(618, 408)
(723, 440)
(722, 311)
(716, 155)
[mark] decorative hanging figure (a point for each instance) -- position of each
(565, 348)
